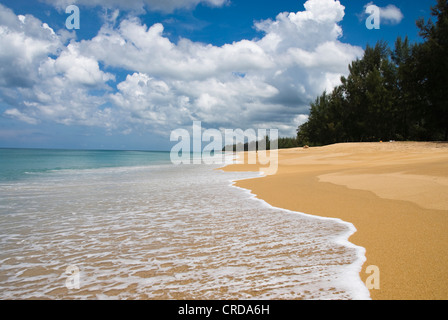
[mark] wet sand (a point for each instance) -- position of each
(395, 194)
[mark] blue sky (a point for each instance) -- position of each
(137, 70)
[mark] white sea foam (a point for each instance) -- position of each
(167, 232)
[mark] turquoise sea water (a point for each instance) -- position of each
(135, 226)
(18, 164)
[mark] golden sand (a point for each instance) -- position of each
(395, 194)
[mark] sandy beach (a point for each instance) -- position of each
(394, 193)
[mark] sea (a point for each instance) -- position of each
(88, 225)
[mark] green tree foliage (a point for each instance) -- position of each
(398, 94)
(433, 69)
(283, 143)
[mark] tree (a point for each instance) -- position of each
(369, 90)
(401, 56)
(397, 94)
(362, 108)
(433, 68)
(411, 102)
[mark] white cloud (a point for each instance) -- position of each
(304, 29)
(15, 113)
(237, 84)
(40, 88)
(136, 47)
(301, 119)
(389, 14)
(75, 68)
(25, 41)
(259, 83)
(146, 100)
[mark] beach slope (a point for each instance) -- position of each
(395, 194)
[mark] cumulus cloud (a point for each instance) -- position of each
(136, 47)
(259, 83)
(274, 77)
(25, 41)
(75, 69)
(39, 88)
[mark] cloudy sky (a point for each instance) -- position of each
(136, 70)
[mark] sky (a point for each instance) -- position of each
(137, 70)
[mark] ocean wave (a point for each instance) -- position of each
(167, 232)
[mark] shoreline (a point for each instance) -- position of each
(343, 239)
(393, 194)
